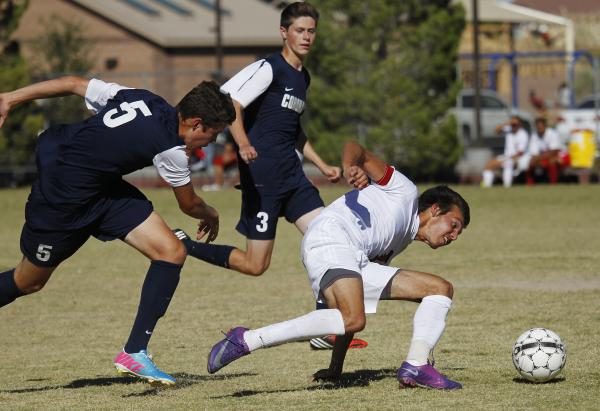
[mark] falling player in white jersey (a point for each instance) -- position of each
(346, 250)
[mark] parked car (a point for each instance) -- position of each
(494, 111)
(585, 115)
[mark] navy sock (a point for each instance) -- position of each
(9, 291)
(211, 253)
(158, 289)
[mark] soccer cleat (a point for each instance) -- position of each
(228, 350)
(141, 365)
(424, 376)
(326, 343)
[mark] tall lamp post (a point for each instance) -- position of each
(477, 100)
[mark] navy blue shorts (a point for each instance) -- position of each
(260, 210)
(108, 217)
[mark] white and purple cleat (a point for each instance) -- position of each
(228, 350)
(424, 376)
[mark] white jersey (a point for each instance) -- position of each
(549, 141)
(361, 232)
(515, 143)
(381, 220)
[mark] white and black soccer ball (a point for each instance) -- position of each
(539, 355)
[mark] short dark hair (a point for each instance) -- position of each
(298, 9)
(208, 102)
(541, 120)
(445, 198)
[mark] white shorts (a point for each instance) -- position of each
(327, 245)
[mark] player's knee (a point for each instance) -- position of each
(256, 268)
(355, 322)
(445, 287)
(32, 287)
(173, 252)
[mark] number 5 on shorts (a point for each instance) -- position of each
(43, 252)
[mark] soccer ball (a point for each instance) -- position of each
(539, 355)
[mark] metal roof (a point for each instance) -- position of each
(191, 23)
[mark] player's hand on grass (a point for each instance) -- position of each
(248, 153)
(4, 108)
(356, 177)
(325, 375)
(332, 173)
(208, 226)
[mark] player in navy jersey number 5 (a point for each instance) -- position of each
(80, 192)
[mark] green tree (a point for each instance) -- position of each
(62, 49)
(18, 135)
(383, 71)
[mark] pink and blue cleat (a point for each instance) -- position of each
(228, 350)
(140, 364)
(424, 376)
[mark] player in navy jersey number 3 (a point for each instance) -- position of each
(270, 96)
(80, 192)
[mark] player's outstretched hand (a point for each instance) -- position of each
(332, 173)
(325, 375)
(356, 177)
(248, 153)
(208, 226)
(4, 108)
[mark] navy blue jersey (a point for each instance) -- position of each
(273, 94)
(80, 163)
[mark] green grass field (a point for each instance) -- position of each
(529, 258)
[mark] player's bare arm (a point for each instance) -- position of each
(359, 164)
(333, 173)
(62, 86)
(194, 206)
(247, 151)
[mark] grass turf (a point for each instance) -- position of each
(529, 258)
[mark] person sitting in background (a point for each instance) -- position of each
(225, 159)
(516, 139)
(547, 152)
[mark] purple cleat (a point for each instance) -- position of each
(228, 350)
(425, 376)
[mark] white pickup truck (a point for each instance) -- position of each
(493, 112)
(585, 116)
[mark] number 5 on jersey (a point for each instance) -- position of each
(129, 114)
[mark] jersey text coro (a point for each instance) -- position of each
(293, 103)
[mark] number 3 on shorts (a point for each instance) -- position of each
(43, 252)
(264, 218)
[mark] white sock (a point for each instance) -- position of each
(428, 325)
(314, 324)
(507, 173)
(488, 178)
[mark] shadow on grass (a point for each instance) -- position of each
(520, 380)
(359, 378)
(184, 380)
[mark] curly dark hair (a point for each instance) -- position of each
(295, 10)
(445, 198)
(208, 102)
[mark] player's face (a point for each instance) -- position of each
(442, 229)
(198, 135)
(300, 35)
(540, 127)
